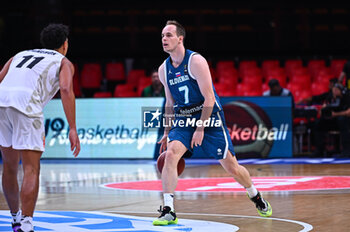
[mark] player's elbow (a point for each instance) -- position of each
(209, 100)
(66, 89)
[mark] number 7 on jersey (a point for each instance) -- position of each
(186, 92)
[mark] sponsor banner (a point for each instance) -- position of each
(260, 127)
(108, 128)
(264, 184)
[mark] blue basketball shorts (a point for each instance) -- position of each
(216, 142)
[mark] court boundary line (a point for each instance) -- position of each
(307, 226)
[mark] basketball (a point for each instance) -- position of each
(160, 164)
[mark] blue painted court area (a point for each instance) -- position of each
(92, 221)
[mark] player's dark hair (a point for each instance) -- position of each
(53, 36)
(180, 30)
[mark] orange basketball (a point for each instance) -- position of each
(160, 164)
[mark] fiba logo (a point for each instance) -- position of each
(250, 129)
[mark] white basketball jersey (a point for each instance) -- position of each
(32, 81)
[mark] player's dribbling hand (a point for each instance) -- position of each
(163, 143)
(74, 142)
(197, 138)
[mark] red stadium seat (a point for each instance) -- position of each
(265, 87)
(302, 94)
(143, 83)
(90, 78)
(325, 74)
(314, 67)
(91, 75)
(278, 74)
(125, 90)
(115, 71)
(248, 90)
(224, 90)
(225, 64)
(319, 87)
(102, 94)
(294, 87)
(230, 74)
(337, 67)
(134, 75)
(253, 71)
(254, 80)
(304, 80)
(268, 65)
(76, 82)
(246, 65)
(213, 74)
(290, 65)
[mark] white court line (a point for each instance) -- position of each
(307, 227)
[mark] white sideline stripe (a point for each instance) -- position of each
(307, 227)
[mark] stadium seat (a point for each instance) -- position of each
(143, 83)
(304, 80)
(314, 67)
(278, 74)
(227, 74)
(319, 87)
(246, 65)
(268, 65)
(125, 90)
(115, 71)
(91, 76)
(253, 71)
(248, 90)
(213, 74)
(76, 82)
(325, 74)
(102, 94)
(224, 64)
(302, 94)
(254, 80)
(134, 75)
(224, 90)
(291, 65)
(294, 87)
(337, 66)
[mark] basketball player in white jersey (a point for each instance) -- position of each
(28, 81)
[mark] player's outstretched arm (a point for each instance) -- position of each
(68, 101)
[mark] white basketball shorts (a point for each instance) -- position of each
(20, 131)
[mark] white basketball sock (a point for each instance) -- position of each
(169, 200)
(252, 191)
(16, 217)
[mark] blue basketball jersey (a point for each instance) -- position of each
(183, 85)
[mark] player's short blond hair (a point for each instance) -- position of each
(180, 30)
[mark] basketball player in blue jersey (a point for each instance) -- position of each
(190, 94)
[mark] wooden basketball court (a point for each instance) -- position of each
(78, 186)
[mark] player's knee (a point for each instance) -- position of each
(170, 158)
